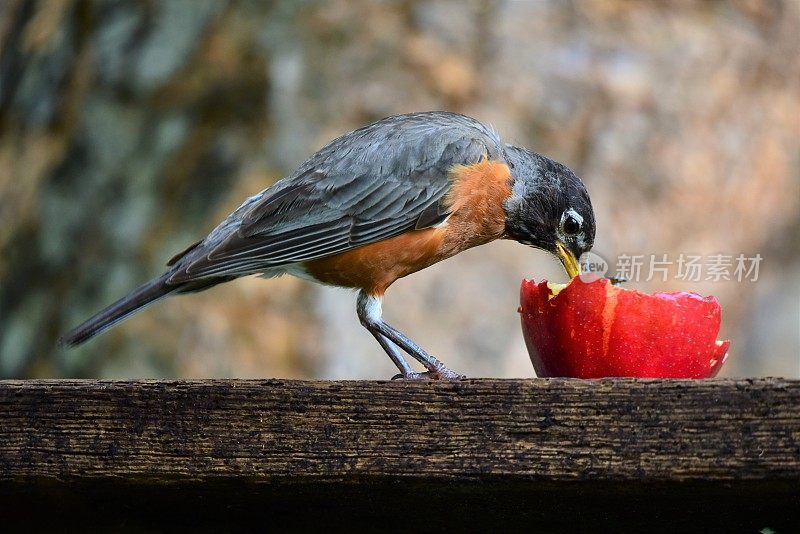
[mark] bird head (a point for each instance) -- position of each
(549, 208)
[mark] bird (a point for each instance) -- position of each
(375, 205)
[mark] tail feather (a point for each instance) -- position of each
(125, 307)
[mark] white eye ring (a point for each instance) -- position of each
(574, 215)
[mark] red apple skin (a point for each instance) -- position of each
(595, 329)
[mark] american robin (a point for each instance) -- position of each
(375, 205)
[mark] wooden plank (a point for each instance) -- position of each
(571, 445)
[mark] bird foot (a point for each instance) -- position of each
(440, 374)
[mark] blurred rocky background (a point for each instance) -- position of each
(129, 129)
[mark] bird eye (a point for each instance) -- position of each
(570, 225)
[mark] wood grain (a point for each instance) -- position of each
(293, 443)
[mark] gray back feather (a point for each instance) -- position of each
(371, 184)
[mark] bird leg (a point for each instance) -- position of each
(369, 312)
(393, 352)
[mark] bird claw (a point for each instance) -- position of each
(440, 374)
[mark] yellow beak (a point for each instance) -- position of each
(568, 260)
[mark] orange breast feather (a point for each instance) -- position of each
(476, 203)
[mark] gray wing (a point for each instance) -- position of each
(371, 184)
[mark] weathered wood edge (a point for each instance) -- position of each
(284, 431)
